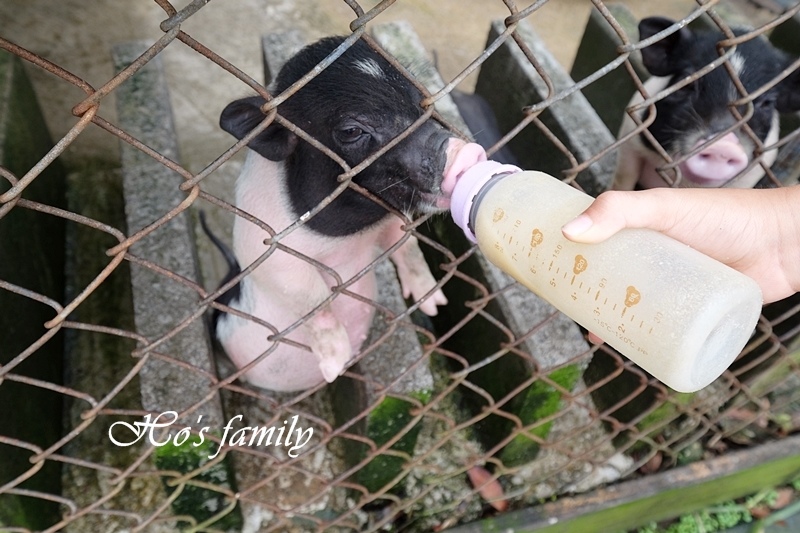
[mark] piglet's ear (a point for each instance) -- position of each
(663, 58)
(240, 117)
(789, 94)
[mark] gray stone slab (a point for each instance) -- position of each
(399, 353)
(728, 12)
(160, 303)
(451, 454)
(400, 39)
(509, 83)
(151, 191)
(610, 94)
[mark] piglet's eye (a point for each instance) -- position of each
(349, 135)
(765, 102)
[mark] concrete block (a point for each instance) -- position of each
(509, 83)
(460, 448)
(31, 257)
(160, 303)
(97, 362)
(610, 94)
(548, 349)
(400, 40)
(151, 190)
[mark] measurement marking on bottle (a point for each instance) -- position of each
(641, 324)
(597, 296)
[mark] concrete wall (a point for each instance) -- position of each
(32, 258)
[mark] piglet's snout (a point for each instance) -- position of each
(717, 162)
(460, 156)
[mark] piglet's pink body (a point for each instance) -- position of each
(288, 290)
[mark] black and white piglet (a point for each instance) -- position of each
(690, 118)
(354, 107)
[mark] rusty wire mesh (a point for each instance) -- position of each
(637, 425)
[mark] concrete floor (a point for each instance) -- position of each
(77, 35)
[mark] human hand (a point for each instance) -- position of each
(755, 231)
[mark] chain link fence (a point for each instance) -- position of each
(115, 421)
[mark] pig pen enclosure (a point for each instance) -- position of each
(118, 412)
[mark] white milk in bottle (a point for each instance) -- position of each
(679, 314)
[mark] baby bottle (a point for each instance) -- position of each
(678, 314)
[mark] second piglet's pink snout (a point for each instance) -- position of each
(717, 163)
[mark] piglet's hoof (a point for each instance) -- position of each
(431, 304)
(331, 345)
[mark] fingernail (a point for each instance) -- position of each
(577, 226)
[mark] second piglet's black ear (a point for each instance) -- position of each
(663, 57)
(240, 117)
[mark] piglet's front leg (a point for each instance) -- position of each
(330, 343)
(286, 288)
(415, 277)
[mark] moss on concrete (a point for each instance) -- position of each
(538, 402)
(384, 423)
(199, 502)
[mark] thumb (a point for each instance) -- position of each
(613, 211)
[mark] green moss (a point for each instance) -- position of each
(12, 511)
(383, 424)
(538, 402)
(198, 502)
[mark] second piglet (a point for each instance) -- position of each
(355, 106)
(691, 124)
